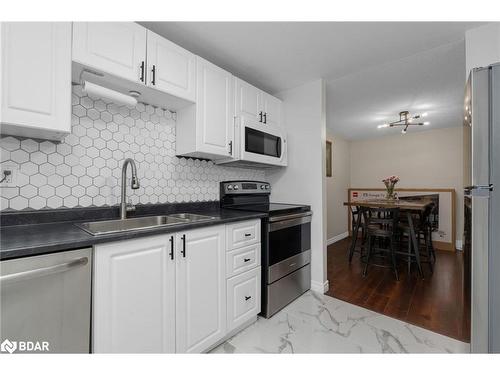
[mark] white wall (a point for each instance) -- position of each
(303, 181)
(482, 46)
(429, 159)
(336, 187)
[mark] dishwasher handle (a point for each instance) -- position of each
(39, 272)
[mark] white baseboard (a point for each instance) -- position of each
(319, 287)
(458, 245)
(337, 238)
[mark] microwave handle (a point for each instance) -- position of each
(278, 146)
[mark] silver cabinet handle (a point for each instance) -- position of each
(230, 147)
(26, 275)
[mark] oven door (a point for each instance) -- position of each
(289, 244)
(261, 143)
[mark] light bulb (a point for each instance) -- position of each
(403, 131)
(382, 126)
(427, 123)
(424, 114)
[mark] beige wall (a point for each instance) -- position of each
(427, 159)
(337, 185)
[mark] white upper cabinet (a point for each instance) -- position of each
(248, 101)
(272, 109)
(256, 104)
(35, 79)
(215, 116)
(134, 296)
(207, 128)
(170, 67)
(201, 289)
(118, 48)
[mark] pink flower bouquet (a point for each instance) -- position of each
(390, 182)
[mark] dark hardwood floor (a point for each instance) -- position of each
(435, 303)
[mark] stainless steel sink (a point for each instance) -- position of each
(192, 217)
(122, 225)
(138, 223)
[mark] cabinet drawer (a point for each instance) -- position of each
(243, 298)
(243, 259)
(242, 234)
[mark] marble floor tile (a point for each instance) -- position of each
(316, 323)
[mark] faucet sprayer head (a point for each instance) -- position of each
(135, 183)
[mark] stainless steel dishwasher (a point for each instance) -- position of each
(46, 300)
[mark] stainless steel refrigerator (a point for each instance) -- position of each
(482, 206)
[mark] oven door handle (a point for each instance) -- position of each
(291, 221)
(291, 216)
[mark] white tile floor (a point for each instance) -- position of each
(316, 323)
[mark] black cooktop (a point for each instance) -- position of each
(254, 196)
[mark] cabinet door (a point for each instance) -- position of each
(243, 298)
(272, 109)
(201, 289)
(118, 48)
(35, 79)
(170, 67)
(134, 296)
(215, 117)
(248, 100)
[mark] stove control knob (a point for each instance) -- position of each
(229, 187)
(236, 187)
(267, 187)
(262, 187)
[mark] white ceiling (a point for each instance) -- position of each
(276, 56)
(432, 81)
(373, 69)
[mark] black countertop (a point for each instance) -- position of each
(31, 238)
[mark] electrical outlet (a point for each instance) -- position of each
(10, 179)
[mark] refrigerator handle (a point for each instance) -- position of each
(478, 190)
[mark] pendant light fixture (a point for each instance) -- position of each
(405, 120)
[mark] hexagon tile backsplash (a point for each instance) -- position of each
(85, 168)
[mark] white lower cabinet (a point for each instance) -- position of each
(243, 298)
(134, 297)
(171, 293)
(201, 289)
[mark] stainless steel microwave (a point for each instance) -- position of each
(257, 144)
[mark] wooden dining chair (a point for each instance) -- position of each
(381, 225)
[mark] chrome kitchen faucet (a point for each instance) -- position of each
(124, 207)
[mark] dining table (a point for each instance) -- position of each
(409, 208)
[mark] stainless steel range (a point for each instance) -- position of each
(286, 241)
